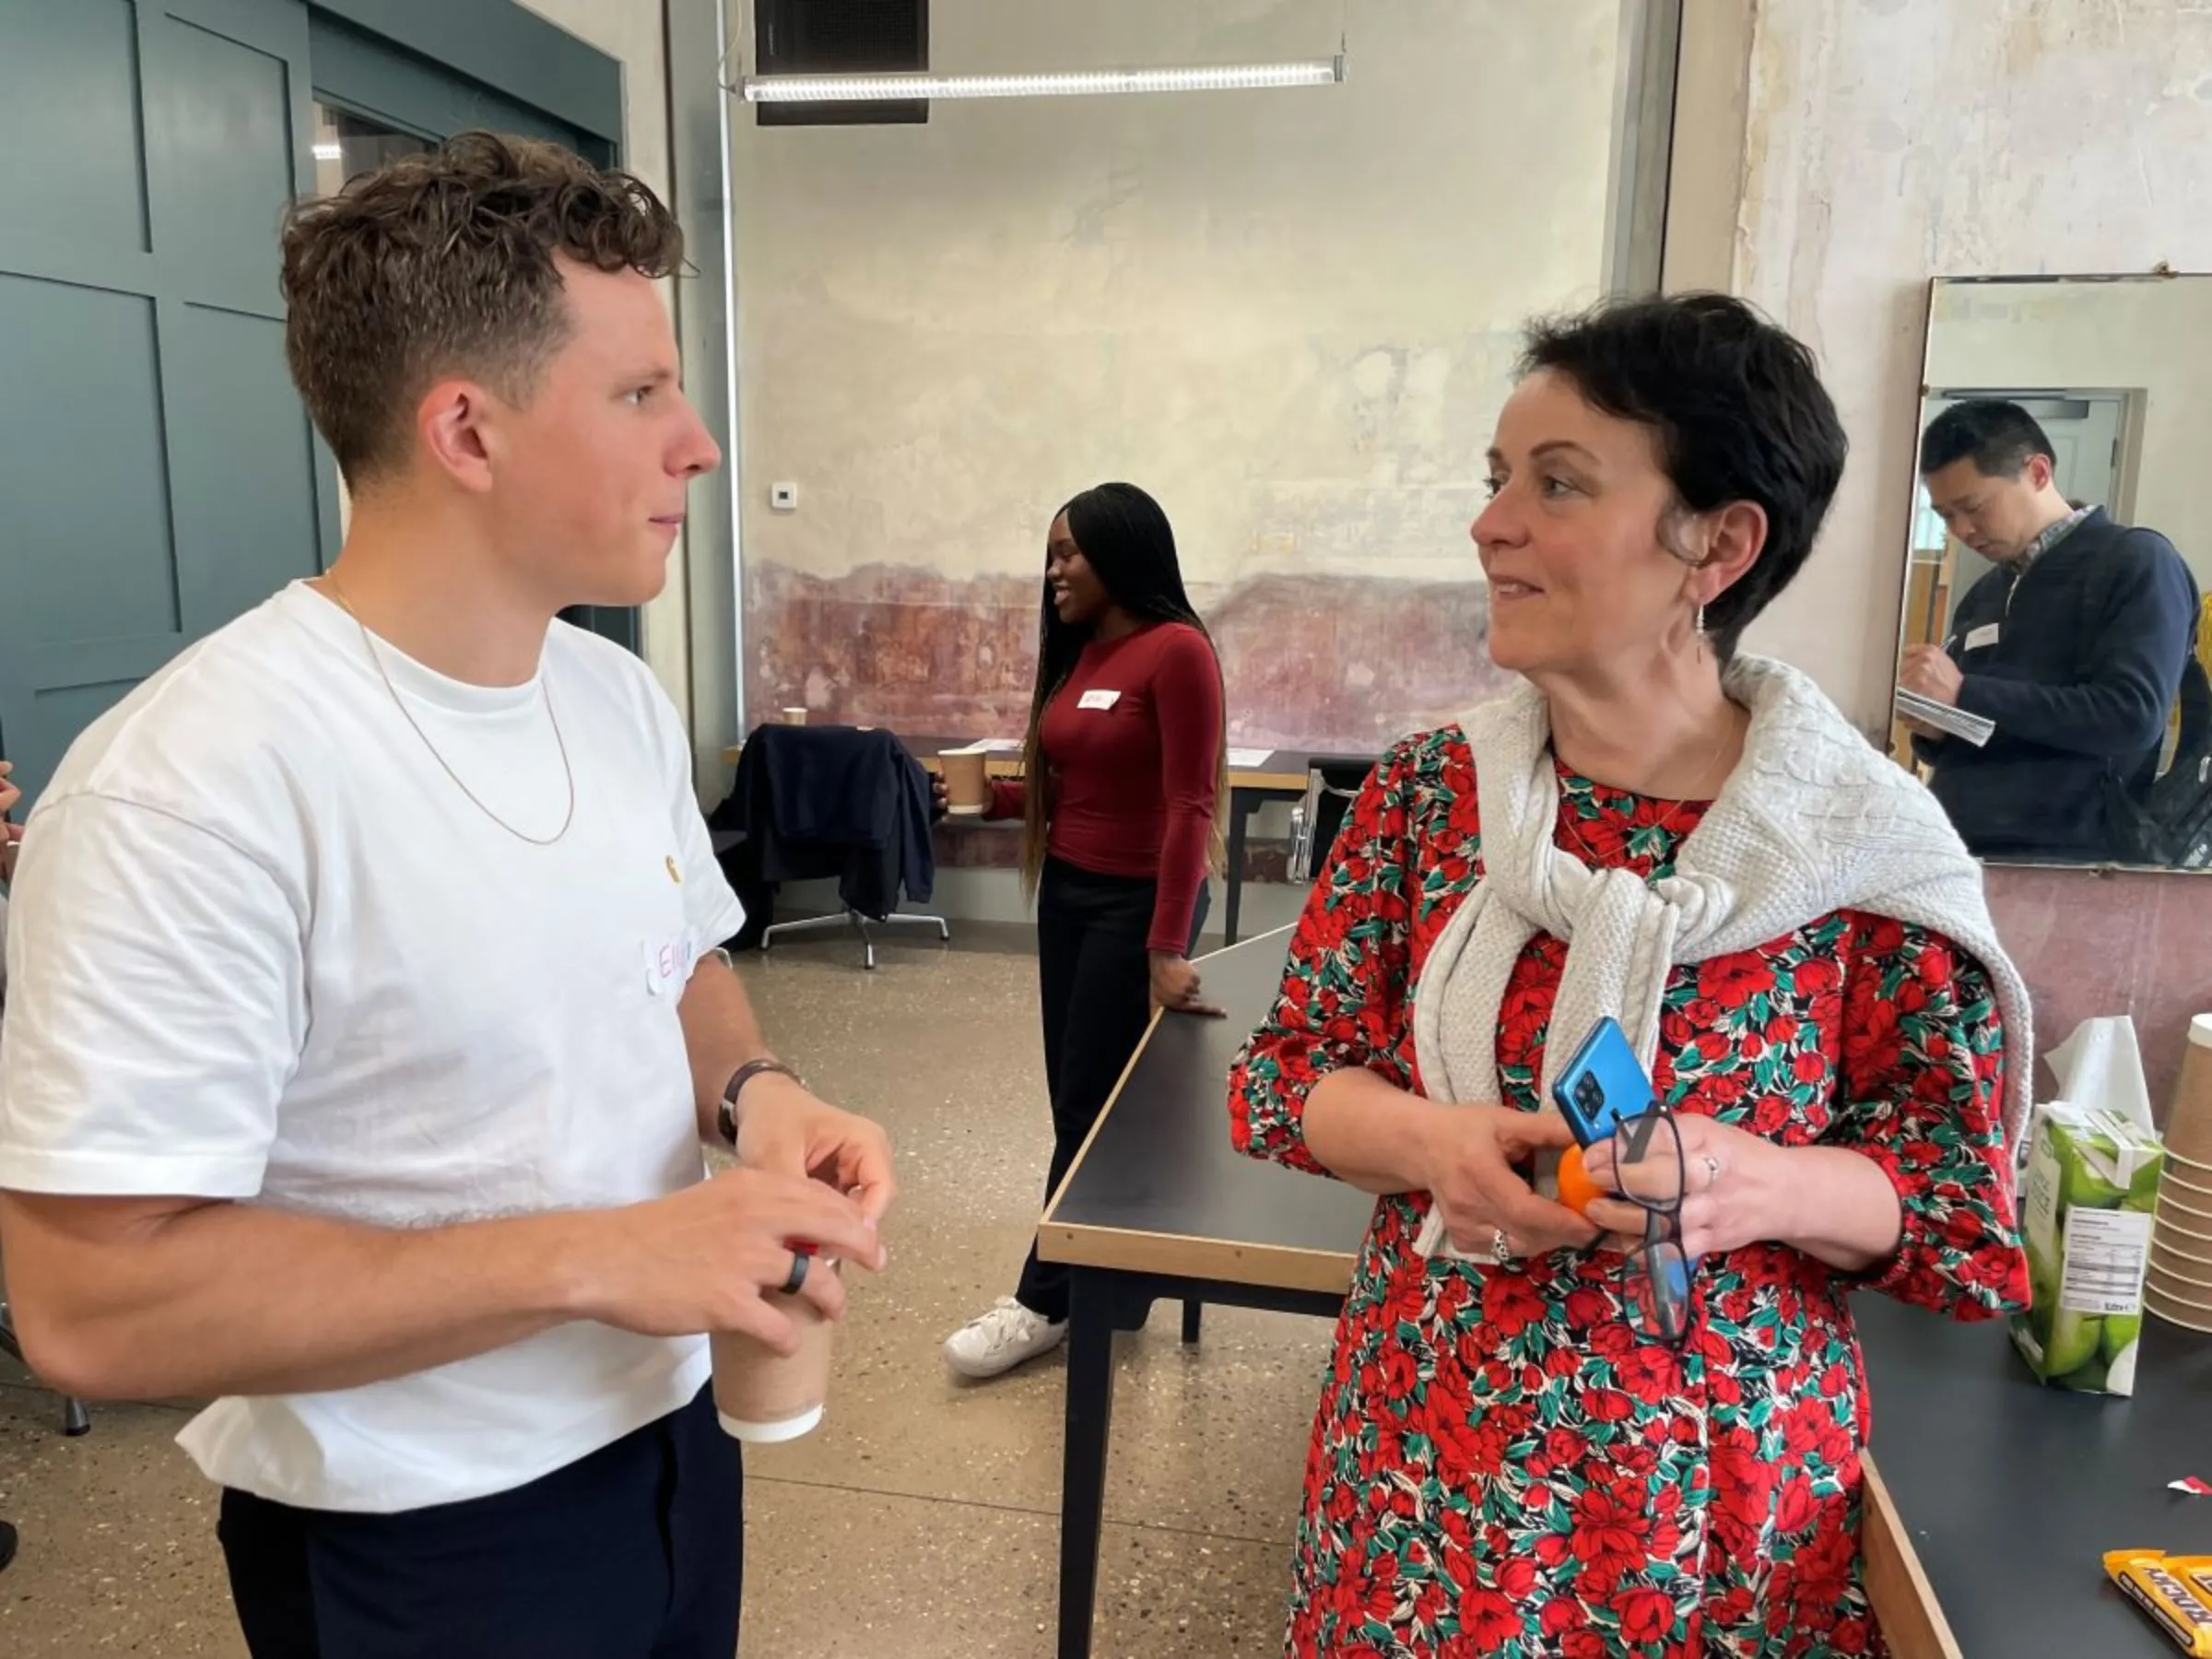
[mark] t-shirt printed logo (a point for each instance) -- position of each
(1097, 700)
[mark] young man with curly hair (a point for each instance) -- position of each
(364, 1017)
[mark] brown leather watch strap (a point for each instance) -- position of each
(725, 1118)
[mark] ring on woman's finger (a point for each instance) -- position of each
(1501, 1248)
(1712, 1171)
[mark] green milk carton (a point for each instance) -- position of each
(2092, 1185)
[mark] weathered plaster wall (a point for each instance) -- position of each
(1291, 315)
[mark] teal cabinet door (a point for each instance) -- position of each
(157, 475)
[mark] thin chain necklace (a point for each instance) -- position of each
(399, 702)
(1574, 826)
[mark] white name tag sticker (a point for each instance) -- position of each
(1981, 638)
(666, 965)
(1097, 700)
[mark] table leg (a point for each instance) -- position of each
(1103, 1301)
(1241, 806)
(1191, 1312)
(1083, 1476)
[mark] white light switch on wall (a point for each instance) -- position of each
(784, 498)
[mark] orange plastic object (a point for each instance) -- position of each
(1576, 1189)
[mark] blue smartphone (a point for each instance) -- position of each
(1603, 1086)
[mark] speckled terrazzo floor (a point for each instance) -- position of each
(922, 1522)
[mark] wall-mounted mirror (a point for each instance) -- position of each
(2061, 546)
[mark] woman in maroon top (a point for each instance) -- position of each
(1126, 752)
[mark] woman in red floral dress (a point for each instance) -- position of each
(1500, 1465)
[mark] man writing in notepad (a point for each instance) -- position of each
(2074, 646)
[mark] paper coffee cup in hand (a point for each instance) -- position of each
(763, 1396)
(967, 781)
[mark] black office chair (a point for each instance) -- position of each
(843, 802)
(76, 1419)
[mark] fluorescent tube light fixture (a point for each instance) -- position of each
(327, 151)
(1078, 83)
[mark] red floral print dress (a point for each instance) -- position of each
(1498, 1466)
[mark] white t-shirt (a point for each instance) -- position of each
(264, 947)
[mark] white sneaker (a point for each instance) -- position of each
(997, 1342)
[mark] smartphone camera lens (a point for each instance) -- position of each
(1588, 1095)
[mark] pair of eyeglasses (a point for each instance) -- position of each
(1655, 1276)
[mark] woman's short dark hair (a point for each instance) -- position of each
(1738, 411)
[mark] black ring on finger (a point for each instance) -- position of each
(800, 1261)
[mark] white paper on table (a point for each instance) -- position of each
(1000, 746)
(1245, 759)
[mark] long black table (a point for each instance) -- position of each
(2009, 1493)
(1989, 1500)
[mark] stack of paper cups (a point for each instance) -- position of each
(2179, 1284)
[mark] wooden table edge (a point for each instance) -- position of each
(1269, 783)
(1003, 765)
(1897, 1585)
(995, 765)
(1186, 1255)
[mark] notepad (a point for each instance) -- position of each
(1975, 729)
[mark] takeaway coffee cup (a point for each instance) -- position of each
(967, 784)
(764, 1396)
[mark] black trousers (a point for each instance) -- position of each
(634, 1552)
(1094, 975)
